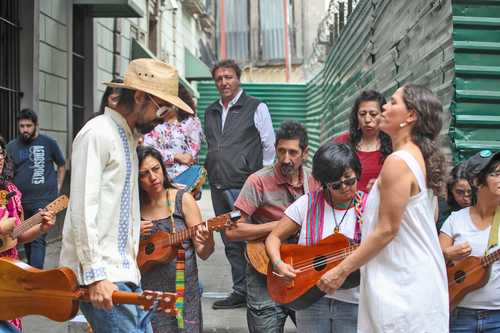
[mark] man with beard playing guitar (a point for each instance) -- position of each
(262, 202)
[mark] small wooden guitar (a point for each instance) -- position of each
(161, 246)
(469, 274)
(9, 241)
(311, 262)
(25, 290)
(257, 255)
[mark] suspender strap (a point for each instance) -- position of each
(493, 238)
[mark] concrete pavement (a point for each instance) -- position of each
(213, 273)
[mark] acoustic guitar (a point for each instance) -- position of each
(161, 247)
(25, 290)
(311, 262)
(469, 274)
(257, 255)
(10, 240)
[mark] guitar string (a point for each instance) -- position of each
(323, 262)
(62, 294)
(175, 239)
(306, 261)
(328, 258)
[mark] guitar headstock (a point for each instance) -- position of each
(5, 197)
(223, 221)
(59, 204)
(166, 301)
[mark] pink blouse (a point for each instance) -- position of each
(15, 209)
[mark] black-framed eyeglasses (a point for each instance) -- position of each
(338, 184)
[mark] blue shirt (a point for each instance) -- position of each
(34, 172)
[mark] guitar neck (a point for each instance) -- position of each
(119, 297)
(27, 224)
(215, 224)
(490, 258)
(55, 206)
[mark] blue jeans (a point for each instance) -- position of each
(328, 315)
(35, 250)
(223, 202)
(5, 327)
(124, 318)
(472, 320)
(263, 314)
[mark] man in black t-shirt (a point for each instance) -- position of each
(34, 155)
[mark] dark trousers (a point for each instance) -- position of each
(35, 251)
(235, 251)
(263, 314)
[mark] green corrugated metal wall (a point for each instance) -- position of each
(285, 101)
(452, 47)
(376, 51)
(476, 107)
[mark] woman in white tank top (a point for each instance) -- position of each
(403, 278)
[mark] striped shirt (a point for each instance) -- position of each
(267, 193)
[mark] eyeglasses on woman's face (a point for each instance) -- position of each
(336, 185)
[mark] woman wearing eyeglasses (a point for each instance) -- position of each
(337, 168)
(469, 232)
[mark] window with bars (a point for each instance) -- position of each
(9, 67)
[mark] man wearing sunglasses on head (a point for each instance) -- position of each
(102, 226)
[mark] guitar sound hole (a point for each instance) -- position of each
(150, 248)
(319, 263)
(459, 276)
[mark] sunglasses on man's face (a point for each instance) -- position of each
(160, 110)
(338, 184)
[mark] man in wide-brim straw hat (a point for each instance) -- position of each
(102, 227)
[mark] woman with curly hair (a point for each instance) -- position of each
(365, 138)
(403, 276)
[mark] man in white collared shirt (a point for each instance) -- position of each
(240, 138)
(102, 226)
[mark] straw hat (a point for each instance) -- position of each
(153, 77)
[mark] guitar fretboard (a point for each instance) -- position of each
(490, 258)
(178, 237)
(27, 224)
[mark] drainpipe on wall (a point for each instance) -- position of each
(287, 42)
(222, 30)
(117, 46)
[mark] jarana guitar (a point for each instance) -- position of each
(161, 246)
(9, 241)
(469, 274)
(55, 294)
(311, 262)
